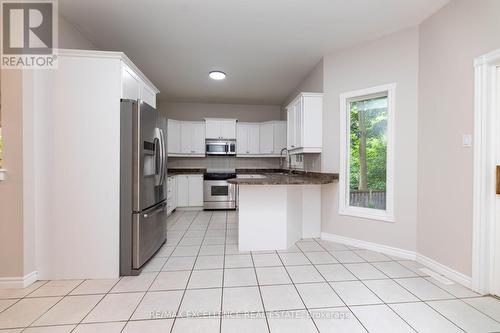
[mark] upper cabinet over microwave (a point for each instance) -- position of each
(220, 128)
(305, 124)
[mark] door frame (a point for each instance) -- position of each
(485, 241)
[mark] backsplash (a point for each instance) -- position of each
(311, 163)
(214, 162)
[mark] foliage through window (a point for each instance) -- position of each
(368, 152)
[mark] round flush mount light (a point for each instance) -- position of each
(217, 75)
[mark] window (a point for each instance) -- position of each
(366, 153)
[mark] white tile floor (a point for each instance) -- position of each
(200, 282)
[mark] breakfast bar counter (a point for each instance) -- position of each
(275, 210)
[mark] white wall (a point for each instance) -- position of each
(76, 182)
(199, 111)
(449, 41)
(392, 59)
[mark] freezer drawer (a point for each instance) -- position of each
(149, 232)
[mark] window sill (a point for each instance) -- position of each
(3, 175)
(369, 214)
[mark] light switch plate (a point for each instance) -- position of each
(3, 174)
(466, 140)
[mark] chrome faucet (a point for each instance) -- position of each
(289, 157)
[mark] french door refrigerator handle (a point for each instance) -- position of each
(164, 157)
(155, 211)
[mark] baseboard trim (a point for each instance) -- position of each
(446, 271)
(393, 251)
(451, 274)
(18, 282)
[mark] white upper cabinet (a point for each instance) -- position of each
(193, 137)
(228, 129)
(174, 136)
(135, 87)
(186, 138)
(220, 128)
(267, 138)
(305, 124)
(248, 139)
(279, 136)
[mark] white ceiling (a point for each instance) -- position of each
(265, 46)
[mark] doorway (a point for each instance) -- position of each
(486, 218)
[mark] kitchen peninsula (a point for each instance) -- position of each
(276, 210)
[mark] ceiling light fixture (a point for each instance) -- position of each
(217, 75)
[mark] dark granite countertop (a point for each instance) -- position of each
(284, 178)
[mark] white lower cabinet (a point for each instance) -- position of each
(189, 190)
(195, 191)
(171, 194)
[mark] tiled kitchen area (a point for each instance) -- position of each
(199, 281)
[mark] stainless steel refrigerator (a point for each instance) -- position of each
(143, 185)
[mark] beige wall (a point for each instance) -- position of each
(199, 111)
(313, 82)
(449, 41)
(17, 230)
(11, 190)
(392, 59)
(71, 38)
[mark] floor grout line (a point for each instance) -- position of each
(191, 273)
(388, 304)
(336, 293)
(212, 231)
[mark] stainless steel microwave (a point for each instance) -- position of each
(220, 147)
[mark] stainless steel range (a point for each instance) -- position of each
(217, 192)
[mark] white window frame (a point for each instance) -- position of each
(345, 208)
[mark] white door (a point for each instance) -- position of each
(496, 269)
(290, 127)
(186, 137)
(242, 140)
(228, 129)
(212, 128)
(266, 140)
(182, 191)
(174, 137)
(198, 138)
(195, 190)
(299, 114)
(279, 136)
(254, 139)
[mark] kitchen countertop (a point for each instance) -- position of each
(283, 178)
